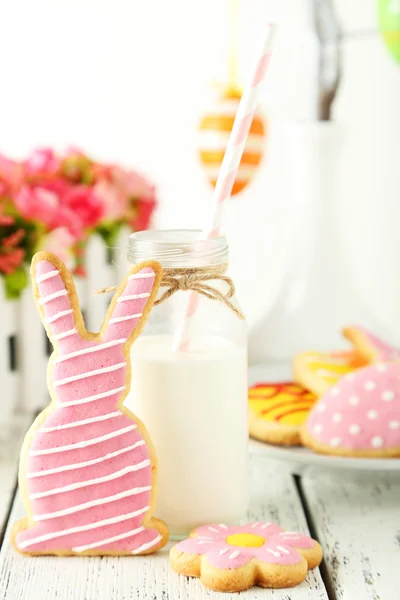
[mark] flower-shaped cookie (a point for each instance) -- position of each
(234, 558)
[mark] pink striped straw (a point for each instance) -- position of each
(229, 169)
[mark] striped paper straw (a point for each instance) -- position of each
(229, 169)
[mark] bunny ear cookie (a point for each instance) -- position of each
(360, 416)
(370, 346)
(88, 468)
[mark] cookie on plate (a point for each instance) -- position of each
(234, 558)
(360, 416)
(318, 371)
(88, 468)
(277, 412)
(370, 346)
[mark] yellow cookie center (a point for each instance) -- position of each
(246, 540)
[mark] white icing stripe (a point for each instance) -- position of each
(148, 545)
(234, 554)
(133, 297)
(114, 538)
(223, 526)
(223, 551)
(85, 505)
(47, 275)
(65, 334)
(272, 552)
(78, 528)
(213, 529)
(81, 484)
(83, 422)
(58, 315)
(120, 319)
(141, 275)
(284, 550)
(84, 443)
(265, 525)
(91, 349)
(92, 398)
(86, 463)
(90, 374)
(54, 296)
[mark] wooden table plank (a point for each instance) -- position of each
(10, 445)
(358, 526)
(273, 497)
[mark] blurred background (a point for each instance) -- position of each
(127, 83)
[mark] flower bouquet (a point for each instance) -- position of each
(55, 202)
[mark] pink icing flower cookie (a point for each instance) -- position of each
(88, 468)
(370, 345)
(360, 416)
(234, 558)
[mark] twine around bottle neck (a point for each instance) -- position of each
(195, 279)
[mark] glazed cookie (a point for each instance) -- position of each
(234, 558)
(370, 346)
(277, 411)
(360, 416)
(318, 371)
(88, 469)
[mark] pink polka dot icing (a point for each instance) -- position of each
(279, 546)
(361, 413)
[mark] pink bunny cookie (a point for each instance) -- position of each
(370, 346)
(234, 558)
(88, 469)
(360, 416)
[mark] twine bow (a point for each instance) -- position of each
(195, 280)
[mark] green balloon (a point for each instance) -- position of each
(389, 25)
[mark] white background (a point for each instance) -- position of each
(128, 80)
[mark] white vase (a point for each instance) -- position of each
(319, 294)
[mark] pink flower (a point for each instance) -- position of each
(84, 204)
(141, 213)
(131, 183)
(113, 200)
(42, 160)
(10, 175)
(38, 204)
(60, 242)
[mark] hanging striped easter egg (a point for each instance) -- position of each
(215, 128)
(389, 25)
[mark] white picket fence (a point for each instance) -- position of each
(25, 349)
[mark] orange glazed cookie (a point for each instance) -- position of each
(277, 412)
(318, 371)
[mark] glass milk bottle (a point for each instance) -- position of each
(194, 402)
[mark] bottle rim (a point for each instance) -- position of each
(177, 248)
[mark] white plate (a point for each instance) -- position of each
(302, 461)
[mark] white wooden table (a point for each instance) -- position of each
(357, 524)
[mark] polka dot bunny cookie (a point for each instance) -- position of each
(234, 558)
(88, 468)
(360, 416)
